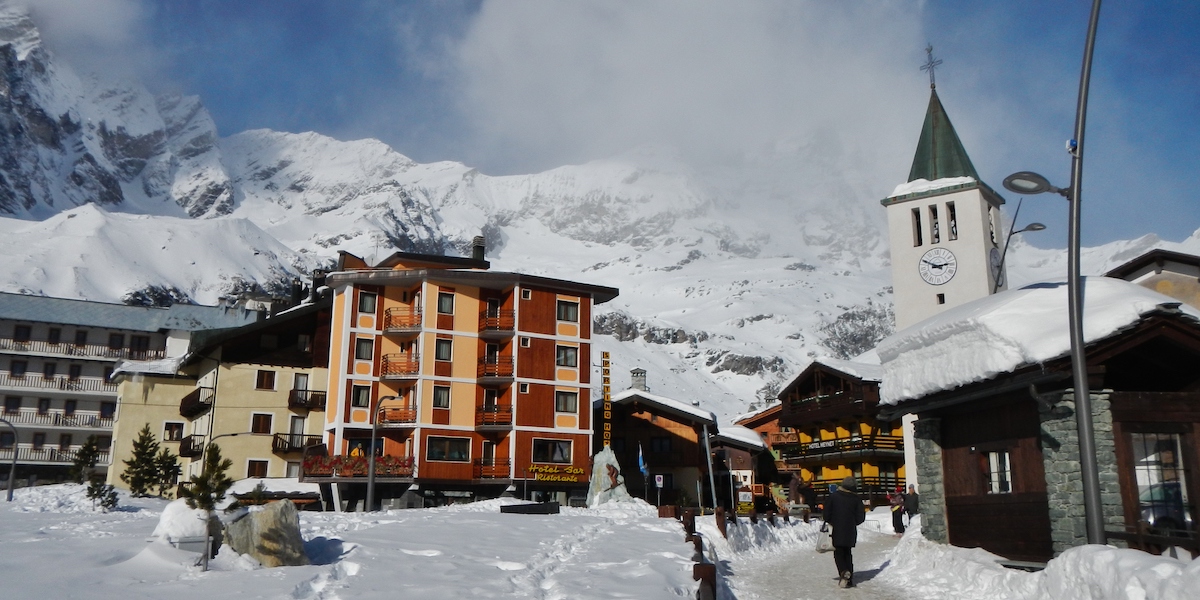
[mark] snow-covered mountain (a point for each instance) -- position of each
(728, 285)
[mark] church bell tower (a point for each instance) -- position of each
(944, 225)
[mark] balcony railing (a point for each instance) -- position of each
(60, 382)
(495, 366)
(310, 399)
(191, 446)
(78, 350)
(398, 416)
(498, 321)
(284, 443)
(499, 415)
(198, 401)
(402, 365)
(491, 468)
(57, 418)
(402, 318)
(47, 454)
(386, 466)
(892, 443)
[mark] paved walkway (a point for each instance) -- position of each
(799, 573)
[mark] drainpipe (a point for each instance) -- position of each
(712, 482)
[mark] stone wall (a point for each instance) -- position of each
(927, 434)
(1064, 481)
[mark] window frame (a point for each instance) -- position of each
(445, 303)
(998, 472)
(560, 396)
(360, 390)
(364, 346)
(548, 457)
(264, 380)
(18, 368)
(116, 341)
(438, 345)
(22, 333)
(566, 356)
(257, 421)
(368, 303)
(437, 389)
(251, 463)
(171, 426)
(434, 441)
(567, 311)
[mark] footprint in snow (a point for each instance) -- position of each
(422, 552)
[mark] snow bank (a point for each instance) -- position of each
(63, 498)
(178, 521)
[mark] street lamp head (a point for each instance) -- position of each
(1028, 182)
(1031, 227)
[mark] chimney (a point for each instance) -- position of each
(638, 380)
(477, 245)
(318, 282)
(297, 291)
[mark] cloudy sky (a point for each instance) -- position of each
(786, 90)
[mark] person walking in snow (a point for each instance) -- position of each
(845, 512)
(911, 500)
(896, 501)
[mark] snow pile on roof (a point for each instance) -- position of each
(645, 397)
(1000, 333)
(162, 366)
(740, 436)
(865, 371)
(917, 186)
(273, 485)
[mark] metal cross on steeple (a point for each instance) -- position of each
(930, 65)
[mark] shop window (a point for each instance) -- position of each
(566, 402)
(551, 451)
(448, 449)
(172, 431)
(566, 356)
(261, 422)
(256, 468)
(265, 380)
(568, 311)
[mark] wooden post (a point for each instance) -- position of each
(720, 517)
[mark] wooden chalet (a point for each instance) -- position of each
(997, 458)
(828, 428)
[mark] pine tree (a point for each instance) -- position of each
(102, 494)
(208, 489)
(85, 460)
(167, 470)
(141, 470)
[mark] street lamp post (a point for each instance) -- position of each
(1031, 183)
(12, 470)
(1000, 278)
(371, 460)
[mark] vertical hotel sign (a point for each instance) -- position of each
(606, 391)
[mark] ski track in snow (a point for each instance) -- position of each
(539, 580)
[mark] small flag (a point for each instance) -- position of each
(642, 462)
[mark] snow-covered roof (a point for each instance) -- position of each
(737, 435)
(667, 404)
(276, 485)
(749, 416)
(162, 366)
(917, 186)
(1000, 333)
(855, 368)
(67, 311)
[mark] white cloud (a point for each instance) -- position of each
(101, 36)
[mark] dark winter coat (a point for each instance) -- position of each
(844, 511)
(911, 504)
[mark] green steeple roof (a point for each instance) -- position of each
(940, 154)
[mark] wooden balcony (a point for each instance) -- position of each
(783, 438)
(497, 323)
(402, 365)
(191, 446)
(402, 320)
(57, 418)
(495, 370)
(491, 468)
(197, 402)
(499, 416)
(398, 416)
(51, 455)
(68, 350)
(306, 399)
(879, 445)
(801, 412)
(64, 383)
(286, 443)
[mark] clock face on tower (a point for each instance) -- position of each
(937, 266)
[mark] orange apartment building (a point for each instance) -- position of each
(471, 380)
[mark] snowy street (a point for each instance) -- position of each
(799, 573)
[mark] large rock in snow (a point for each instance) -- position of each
(271, 535)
